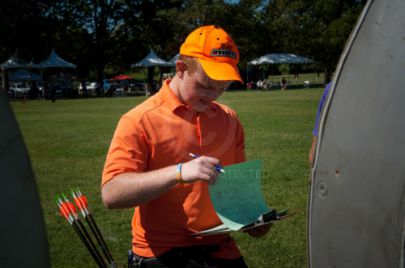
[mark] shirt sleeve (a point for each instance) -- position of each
(128, 150)
(320, 108)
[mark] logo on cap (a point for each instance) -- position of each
(225, 50)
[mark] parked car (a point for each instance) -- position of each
(18, 90)
(90, 87)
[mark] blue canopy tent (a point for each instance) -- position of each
(54, 61)
(28, 79)
(23, 75)
(14, 62)
(150, 61)
(58, 79)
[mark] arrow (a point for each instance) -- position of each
(68, 211)
(81, 202)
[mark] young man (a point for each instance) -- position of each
(149, 167)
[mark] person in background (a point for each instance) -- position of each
(34, 91)
(315, 132)
(53, 93)
(283, 84)
(259, 84)
(250, 85)
(149, 168)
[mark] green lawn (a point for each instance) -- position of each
(68, 140)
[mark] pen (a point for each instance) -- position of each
(218, 168)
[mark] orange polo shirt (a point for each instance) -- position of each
(160, 132)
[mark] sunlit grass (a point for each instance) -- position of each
(68, 140)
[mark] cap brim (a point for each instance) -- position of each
(220, 70)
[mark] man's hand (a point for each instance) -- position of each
(259, 231)
(200, 168)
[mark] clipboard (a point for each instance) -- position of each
(264, 219)
(238, 200)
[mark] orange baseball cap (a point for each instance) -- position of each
(215, 51)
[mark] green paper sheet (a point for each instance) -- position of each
(237, 195)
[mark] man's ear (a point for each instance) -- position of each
(181, 67)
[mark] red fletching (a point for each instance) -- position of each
(63, 212)
(83, 201)
(78, 203)
(72, 208)
(65, 208)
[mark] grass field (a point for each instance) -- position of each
(68, 140)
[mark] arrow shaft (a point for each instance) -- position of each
(93, 246)
(87, 245)
(96, 231)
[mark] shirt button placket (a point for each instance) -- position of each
(197, 126)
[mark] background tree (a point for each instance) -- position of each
(101, 20)
(20, 28)
(108, 35)
(334, 22)
(63, 30)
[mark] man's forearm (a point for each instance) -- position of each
(129, 190)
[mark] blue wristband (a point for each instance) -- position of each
(179, 178)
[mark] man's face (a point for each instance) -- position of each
(199, 90)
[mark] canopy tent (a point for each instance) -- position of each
(54, 61)
(276, 58)
(280, 58)
(24, 75)
(173, 60)
(57, 78)
(31, 65)
(151, 60)
(13, 62)
(121, 77)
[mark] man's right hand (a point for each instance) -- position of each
(201, 168)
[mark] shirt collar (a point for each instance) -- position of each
(173, 102)
(169, 98)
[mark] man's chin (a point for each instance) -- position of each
(201, 107)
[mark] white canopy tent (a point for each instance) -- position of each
(151, 60)
(277, 58)
(173, 60)
(280, 58)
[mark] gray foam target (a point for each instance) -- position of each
(356, 200)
